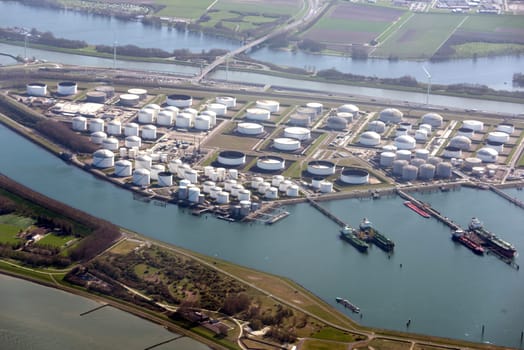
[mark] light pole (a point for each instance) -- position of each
(114, 55)
(25, 45)
(429, 84)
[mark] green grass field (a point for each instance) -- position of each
(55, 241)
(8, 234)
(20, 222)
(351, 26)
(420, 37)
(483, 23)
(183, 9)
(260, 7)
(486, 49)
(311, 344)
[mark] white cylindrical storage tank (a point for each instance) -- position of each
(426, 127)
(444, 170)
(131, 129)
(129, 100)
(165, 179)
(376, 126)
(389, 148)
(316, 181)
(174, 164)
(300, 119)
(67, 88)
(403, 154)
(109, 91)
(506, 127)
(263, 187)
(227, 101)
(326, 187)
(256, 181)
(471, 162)
(133, 141)
(228, 184)
(390, 115)
(103, 158)
(180, 101)
(387, 158)
(235, 189)
(257, 114)
(36, 89)
(212, 117)
(123, 168)
(221, 174)
(426, 172)
(321, 167)
(110, 143)
(336, 123)
(143, 162)
(401, 131)
(218, 108)
(149, 132)
(182, 192)
(271, 193)
(165, 118)
(232, 174)
(207, 186)
(271, 163)
(409, 173)
(156, 169)
(354, 176)
(98, 137)
(141, 93)
(452, 152)
(202, 122)
(244, 195)
(184, 120)
(79, 124)
(114, 127)
(297, 133)
(191, 175)
(222, 198)
(192, 194)
(276, 180)
(346, 115)
(487, 155)
(185, 182)
(497, 146)
(433, 119)
(191, 111)
(292, 191)
(465, 132)
(461, 142)
(231, 158)
(286, 144)
(434, 160)
(417, 162)
(422, 153)
(123, 152)
(405, 142)
(311, 112)
(96, 124)
(421, 135)
(172, 109)
(398, 165)
(133, 152)
(478, 171)
(250, 128)
(349, 108)
(96, 97)
(141, 177)
(270, 105)
(369, 138)
(318, 107)
(498, 136)
(476, 125)
(405, 125)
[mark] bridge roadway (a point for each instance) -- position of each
(18, 59)
(326, 212)
(314, 10)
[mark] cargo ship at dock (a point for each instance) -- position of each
(411, 205)
(349, 235)
(346, 303)
(467, 240)
(370, 234)
(491, 241)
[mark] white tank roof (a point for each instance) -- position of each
(103, 153)
(370, 135)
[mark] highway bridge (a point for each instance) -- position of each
(16, 58)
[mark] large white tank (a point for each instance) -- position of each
(165, 118)
(299, 119)
(433, 119)
(390, 115)
(192, 194)
(222, 198)
(103, 158)
(214, 191)
(426, 127)
(123, 168)
(506, 127)
(157, 169)
(409, 172)
(398, 165)
(172, 109)
(465, 132)
(497, 146)
(387, 159)
(110, 143)
(147, 115)
(389, 148)
(165, 179)
(476, 125)
(250, 128)
(461, 142)
(114, 127)
(36, 89)
(174, 164)
(434, 160)
(292, 191)
(123, 152)
(67, 88)
(131, 129)
(232, 174)
(227, 101)
(149, 132)
(143, 162)
(487, 155)
(422, 153)
(421, 135)
(401, 131)
(349, 108)
(184, 182)
(426, 171)
(257, 114)
(98, 137)
(129, 100)
(244, 195)
(133, 141)
(498, 136)
(336, 123)
(263, 187)
(452, 152)
(405, 142)
(96, 124)
(270, 105)
(377, 126)
(231, 158)
(212, 117)
(369, 138)
(271, 193)
(141, 93)
(297, 133)
(444, 170)
(318, 107)
(218, 108)
(403, 154)
(271, 163)
(184, 120)
(286, 144)
(326, 187)
(141, 177)
(346, 115)
(354, 176)
(191, 175)
(180, 101)
(202, 122)
(471, 162)
(417, 162)
(321, 167)
(79, 123)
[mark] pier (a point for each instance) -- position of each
(506, 196)
(326, 212)
(93, 310)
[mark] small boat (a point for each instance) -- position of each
(417, 209)
(347, 304)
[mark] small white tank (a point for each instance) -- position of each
(292, 191)
(271, 193)
(156, 169)
(123, 152)
(214, 191)
(276, 180)
(147, 115)
(165, 118)
(143, 162)
(149, 132)
(131, 129)
(191, 175)
(103, 158)
(326, 187)
(235, 189)
(228, 101)
(202, 122)
(123, 168)
(284, 185)
(79, 124)
(174, 164)
(244, 195)
(193, 194)
(218, 108)
(98, 137)
(263, 187)
(165, 179)
(110, 143)
(228, 184)
(141, 177)
(208, 185)
(212, 116)
(257, 114)
(184, 120)
(133, 141)
(114, 127)
(256, 181)
(232, 174)
(96, 124)
(222, 197)
(270, 105)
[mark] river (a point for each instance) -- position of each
(442, 287)
(495, 72)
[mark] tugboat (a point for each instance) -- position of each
(493, 242)
(464, 238)
(373, 235)
(348, 235)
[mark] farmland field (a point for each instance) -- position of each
(276, 7)
(348, 23)
(8, 234)
(55, 241)
(420, 37)
(182, 8)
(503, 29)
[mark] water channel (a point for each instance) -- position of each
(495, 72)
(442, 287)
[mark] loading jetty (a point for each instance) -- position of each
(506, 196)
(326, 212)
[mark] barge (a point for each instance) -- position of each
(349, 235)
(370, 234)
(411, 205)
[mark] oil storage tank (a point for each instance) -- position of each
(286, 144)
(96, 124)
(377, 126)
(165, 179)
(79, 123)
(444, 170)
(250, 128)
(369, 138)
(321, 167)
(218, 108)
(506, 127)
(409, 172)
(487, 155)
(387, 159)
(354, 176)
(398, 165)
(390, 115)
(461, 142)
(36, 89)
(149, 132)
(231, 158)
(227, 101)
(67, 88)
(141, 177)
(180, 101)
(259, 114)
(271, 163)
(123, 168)
(498, 136)
(426, 171)
(433, 119)
(131, 129)
(405, 142)
(114, 127)
(129, 100)
(270, 105)
(475, 125)
(297, 133)
(103, 158)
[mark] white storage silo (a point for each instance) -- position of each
(398, 165)
(110, 143)
(143, 162)
(228, 184)
(257, 114)
(218, 108)
(271, 193)
(184, 182)
(286, 144)
(67, 88)
(227, 101)
(405, 142)
(79, 124)
(133, 141)
(326, 187)
(434, 160)
(222, 197)
(165, 118)
(263, 187)
(376, 126)
(182, 192)
(96, 124)
(297, 133)
(180, 101)
(336, 123)
(487, 155)
(149, 132)
(36, 89)
(256, 181)
(123, 168)
(114, 127)
(387, 159)
(235, 189)
(346, 115)
(244, 195)
(426, 171)
(276, 180)
(191, 175)
(192, 194)
(131, 129)
(221, 174)
(174, 164)
(270, 105)
(123, 152)
(369, 138)
(250, 128)
(98, 137)
(443, 170)
(422, 153)
(403, 154)
(103, 158)
(498, 136)
(214, 191)
(184, 120)
(316, 181)
(207, 186)
(202, 122)
(409, 172)
(141, 177)
(405, 125)
(165, 179)
(156, 169)
(292, 191)
(389, 148)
